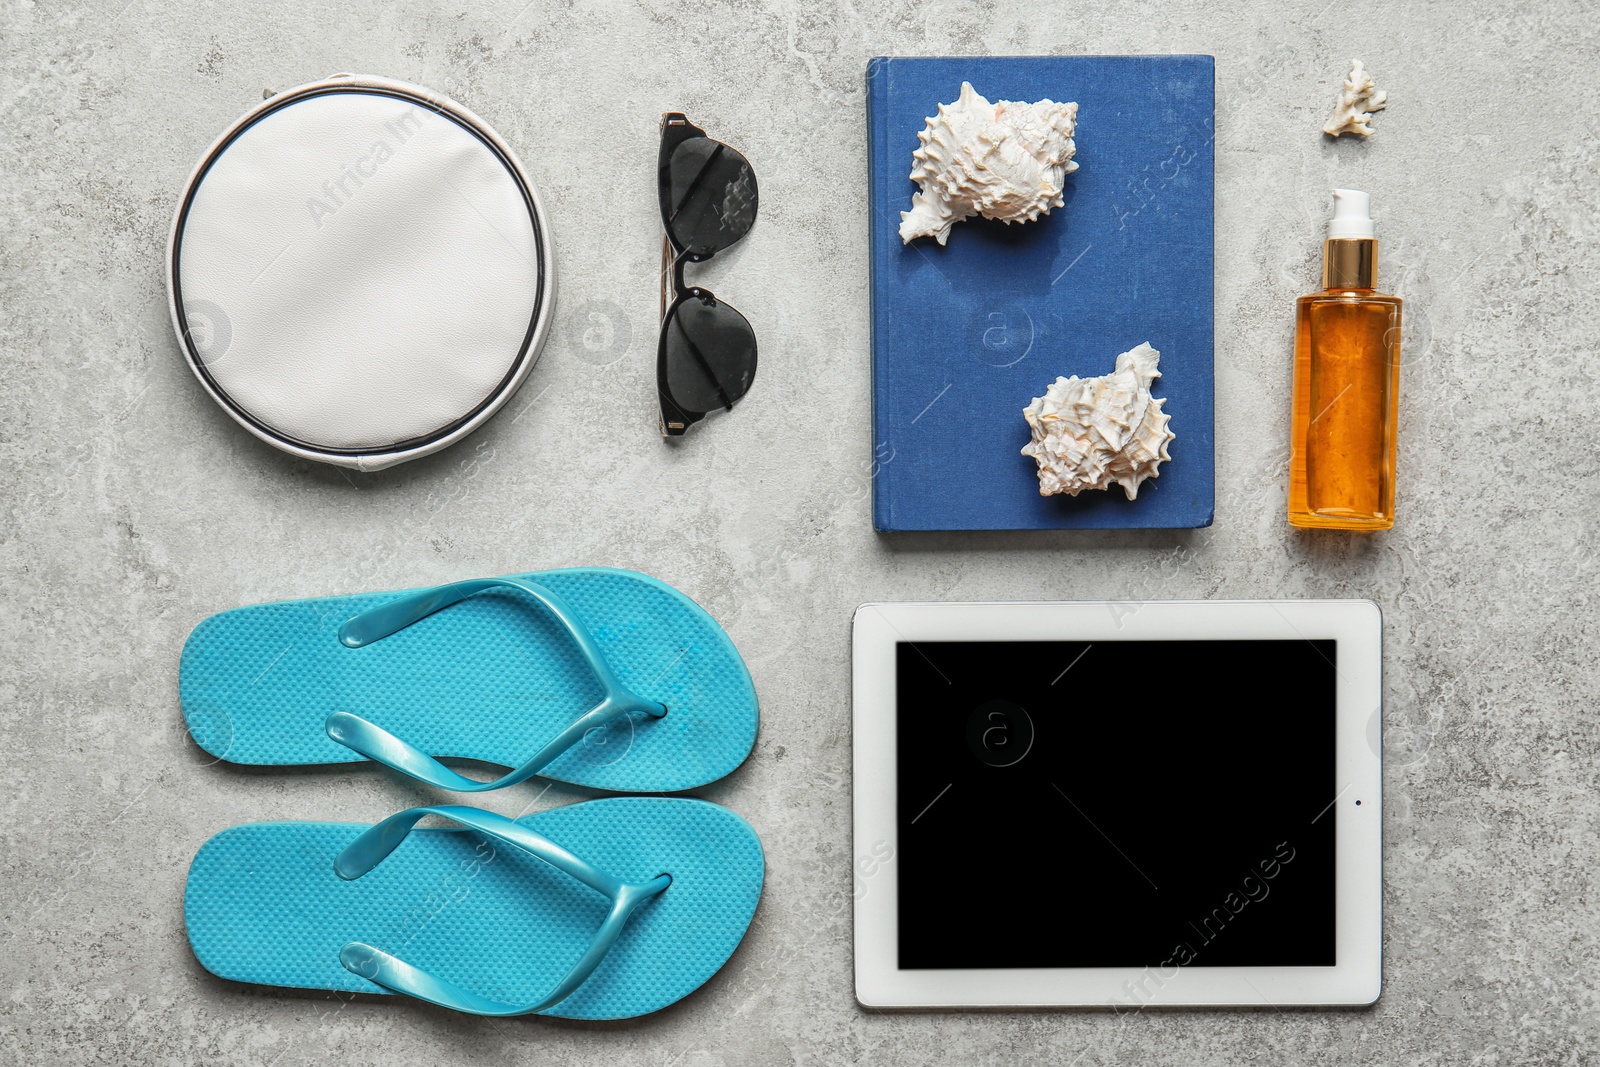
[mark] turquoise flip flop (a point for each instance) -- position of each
(606, 909)
(602, 678)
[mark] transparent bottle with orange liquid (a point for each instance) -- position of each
(1346, 383)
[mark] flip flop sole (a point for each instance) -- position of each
(263, 905)
(492, 678)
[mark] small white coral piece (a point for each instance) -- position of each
(1353, 111)
(1005, 161)
(1091, 432)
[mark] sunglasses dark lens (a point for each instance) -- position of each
(709, 351)
(708, 196)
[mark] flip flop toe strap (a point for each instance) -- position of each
(378, 966)
(378, 744)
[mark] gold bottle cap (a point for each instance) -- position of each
(1350, 263)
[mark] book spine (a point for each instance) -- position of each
(878, 74)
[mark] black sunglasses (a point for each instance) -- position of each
(706, 357)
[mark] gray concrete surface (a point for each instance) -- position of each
(130, 507)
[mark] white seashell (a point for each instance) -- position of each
(1003, 161)
(1090, 432)
(1353, 111)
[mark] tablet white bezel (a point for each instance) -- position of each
(1355, 980)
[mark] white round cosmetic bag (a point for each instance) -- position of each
(360, 272)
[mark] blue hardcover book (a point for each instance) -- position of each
(965, 335)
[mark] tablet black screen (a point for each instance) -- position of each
(1116, 804)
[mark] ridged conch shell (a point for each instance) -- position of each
(1352, 112)
(1091, 432)
(1003, 161)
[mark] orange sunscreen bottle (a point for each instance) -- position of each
(1346, 383)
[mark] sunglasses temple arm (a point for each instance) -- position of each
(666, 273)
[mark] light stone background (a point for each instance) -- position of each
(131, 507)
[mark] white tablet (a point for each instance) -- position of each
(1121, 805)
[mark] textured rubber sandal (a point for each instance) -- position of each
(602, 910)
(603, 678)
